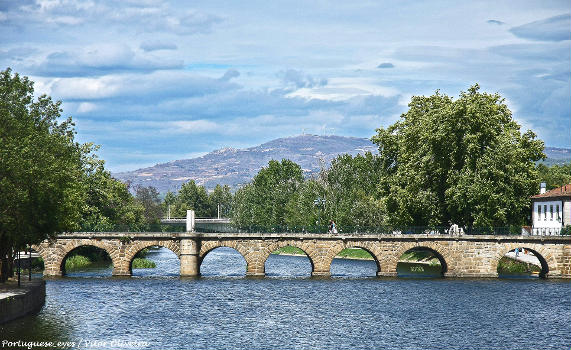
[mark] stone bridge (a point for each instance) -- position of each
(460, 256)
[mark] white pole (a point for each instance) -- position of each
(190, 221)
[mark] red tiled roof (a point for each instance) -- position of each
(563, 191)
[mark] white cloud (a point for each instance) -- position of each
(85, 107)
(340, 89)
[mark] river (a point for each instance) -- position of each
(156, 309)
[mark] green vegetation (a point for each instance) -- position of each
(192, 196)
(508, 266)
(423, 256)
(41, 169)
(263, 201)
(354, 253)
(349, 253)
(142, 263)
(555, 175)
(77, 262)
(289, 250)
(461, 161)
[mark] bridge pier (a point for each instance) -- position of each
(189, 260)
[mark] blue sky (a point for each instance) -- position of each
(153, 81)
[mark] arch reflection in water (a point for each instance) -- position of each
(354, 262)
(421, 262)
(522, 262)
(288, 261)
(167, 264)
(223, 261)
(87, 262)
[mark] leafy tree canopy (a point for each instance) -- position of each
(41, 192)
(460, 161)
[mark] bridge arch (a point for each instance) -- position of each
(547, 261)
(134, 247)
(369, 247)
(435, 248)
(209, 246)
(307, 248)
(55, 266)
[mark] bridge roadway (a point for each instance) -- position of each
(460, 256)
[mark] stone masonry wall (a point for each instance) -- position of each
(461, 256)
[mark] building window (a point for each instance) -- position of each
(545, 212)
(551, 210)
(539, 213)
(557, 212)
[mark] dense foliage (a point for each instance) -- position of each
(460, 161)
(263, 201)
(41, 167)
(555, 175)
(194, 197)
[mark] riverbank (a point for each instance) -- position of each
(16, 302)
(361, 254)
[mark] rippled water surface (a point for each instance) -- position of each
(289, 310)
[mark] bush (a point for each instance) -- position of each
(566, 231)
(141, 263)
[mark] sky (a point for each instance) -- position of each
(153, 80)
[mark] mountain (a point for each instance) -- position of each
(234, 167)
(557, 155)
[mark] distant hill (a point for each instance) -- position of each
(557, 155)
(235, 167)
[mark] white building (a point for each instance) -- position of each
(551, 210)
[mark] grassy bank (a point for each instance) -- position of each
(507, 266)
(361, 254)
(422, 256)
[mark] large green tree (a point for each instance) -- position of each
(462, 161)
(263, 201)
(41, 168)
(192, 196)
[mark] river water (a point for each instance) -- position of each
(156, 309)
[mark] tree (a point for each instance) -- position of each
(191, 196)
(222, 196)
(148, 198)
(108, 205)
(41, 192)
(555, 175)
(301, 210)
(263, 201)
(352, 190)
(461, 161)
